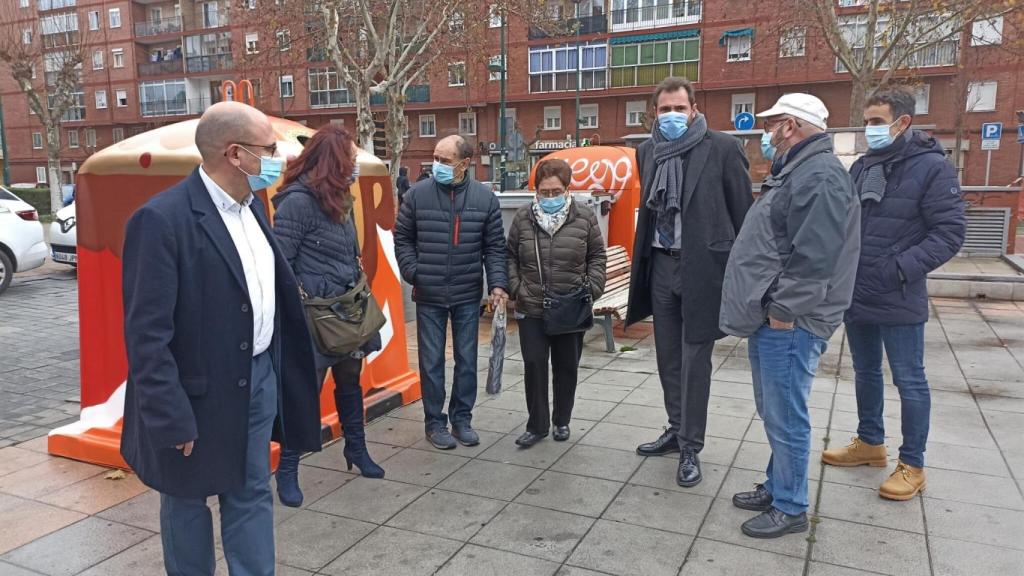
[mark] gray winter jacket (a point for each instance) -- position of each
(795, 258)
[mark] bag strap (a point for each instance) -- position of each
(536, 244)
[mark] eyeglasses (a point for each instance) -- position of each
(551, 192)
(272, 148)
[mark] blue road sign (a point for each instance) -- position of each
(1020, 134)
(744, 121)
(992, 131)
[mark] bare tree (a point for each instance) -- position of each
(44, 57)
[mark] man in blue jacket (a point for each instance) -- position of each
(912, 221)
(448, 231)
(219, 357)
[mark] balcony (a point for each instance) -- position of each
(587, 25)
(656, 15)
(162, 67)
(158, 27)
(174, 107)
(940, 54)
(211, 63)
(414, 95)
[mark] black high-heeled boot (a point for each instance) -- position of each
(349, 401)
(288, 490)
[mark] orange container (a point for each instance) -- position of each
(111, 185)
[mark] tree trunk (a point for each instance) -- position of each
(53, 168)
(364, 121)
(858, 97)
(395, 129)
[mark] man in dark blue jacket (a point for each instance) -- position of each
(448, 231)
(219, 357)
(912, 223)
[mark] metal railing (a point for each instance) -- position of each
(155, 27)
(174, 107)
(656, 15)
(211, 63)
(163, 67)
(587, 24)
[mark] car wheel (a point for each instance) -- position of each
(6, 271)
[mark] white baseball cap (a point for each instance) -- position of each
(802, 106)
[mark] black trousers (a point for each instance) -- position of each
(564, 352)
(683, 367)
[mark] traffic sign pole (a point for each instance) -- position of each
(988, 167)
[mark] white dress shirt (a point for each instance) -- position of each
(257, 260)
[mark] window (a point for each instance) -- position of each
(117, 134)
(457, 74)
(649, 63)
(284, 40)
(552, 117)
(325, 89)
(40, 174)
(59, 29)
(94, 20)
(428, 126)
(588, 116)
(553, 68)
(250, 4)
(250, 43)
(54, 4)
(933, 37)
(72, 138)
(457, 23)
(76, 111)
(37, 141)
(97, 60)
(122, 98)
(494, 16)
(981, 96)
(26, 36)
(115, 17)
(117, 54)
(211, 19)
(287, 86)
(495, 62)
(101, 99)
(742, 103)
(738, 48)
(90, 138)
(23, 3)
(338, 121)
(467, 123)
(647, 14)
(635, 112)
(793, 42)
(163, 98)
(921, 97)
(987, 32)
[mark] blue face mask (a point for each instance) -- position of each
(552, 205)
(443, 173)
(767, 148)
(270, 171)
(673, 124)
(878, 137)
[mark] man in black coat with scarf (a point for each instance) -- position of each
(696, 192)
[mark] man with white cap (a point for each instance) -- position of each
(789, 280)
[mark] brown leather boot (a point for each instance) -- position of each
(857, 453)
(904, 483)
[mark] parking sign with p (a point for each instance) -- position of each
(991, 133)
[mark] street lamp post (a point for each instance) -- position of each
(3, 148)
(503, 69)
(579, 59)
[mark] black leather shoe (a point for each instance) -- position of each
(529, 439)
(689, 469)
(665, 444)
(759, 500)
(773, 523)
(561, 433)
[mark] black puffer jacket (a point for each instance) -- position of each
(442, 236)
(322, 252)
(577, 245)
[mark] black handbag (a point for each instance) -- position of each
(565, 313)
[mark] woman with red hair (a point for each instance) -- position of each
(313, 225)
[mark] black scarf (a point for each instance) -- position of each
(872, 180)
(669, 156)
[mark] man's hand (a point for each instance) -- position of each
(498, 295)
(186, 448)
(779, 324)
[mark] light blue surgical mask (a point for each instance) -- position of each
(878, 137)
(767, 148)
(270, 171)
(552, 205)
(443, 173)
(673, 124)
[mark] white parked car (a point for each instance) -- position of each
(21, 237)
(64, 236)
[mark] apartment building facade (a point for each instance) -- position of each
(158, 61)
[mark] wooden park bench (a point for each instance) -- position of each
(612, 305)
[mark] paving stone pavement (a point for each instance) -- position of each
(589, 506)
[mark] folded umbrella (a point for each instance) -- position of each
(497, 361)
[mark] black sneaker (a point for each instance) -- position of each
(465, 435)
(758, 500)
(773, 523)
(441, 439)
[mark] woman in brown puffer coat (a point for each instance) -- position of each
(570, 247)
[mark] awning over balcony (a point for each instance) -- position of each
(734, 33)
(691, 33)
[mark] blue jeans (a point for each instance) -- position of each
(783, 364)
(431, 335)
(904, 346)
(246, 514)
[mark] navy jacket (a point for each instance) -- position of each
(918, 226)
(443, 235)
(323, 253)
(188, 332)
